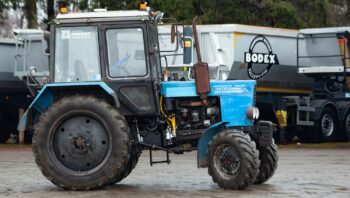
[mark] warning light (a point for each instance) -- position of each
(143, 6)
(63, 10)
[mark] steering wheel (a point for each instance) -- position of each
(121, 65)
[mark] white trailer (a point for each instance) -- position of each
(23, 64)
(301, 74)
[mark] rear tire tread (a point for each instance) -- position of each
(112, 169)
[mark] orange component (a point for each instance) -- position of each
(63, 10)
(143, 6)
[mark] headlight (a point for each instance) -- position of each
(252, 113)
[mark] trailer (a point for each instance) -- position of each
(23, 64)
(302, 75)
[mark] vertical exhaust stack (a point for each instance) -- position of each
(201, 69)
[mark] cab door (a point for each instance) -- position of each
(128, 70)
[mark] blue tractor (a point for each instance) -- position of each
(107, 99)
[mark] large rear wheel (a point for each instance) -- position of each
(233, 160)
(81, 143)
(134, 158)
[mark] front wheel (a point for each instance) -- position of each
(233, 160)
(268, 162)
(81, 143)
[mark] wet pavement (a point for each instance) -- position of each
(302, 172)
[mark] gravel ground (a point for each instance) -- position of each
(302, 172)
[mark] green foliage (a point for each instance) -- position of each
(274, 13)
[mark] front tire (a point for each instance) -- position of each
(233, 160)
(81, 143)
(268, 162)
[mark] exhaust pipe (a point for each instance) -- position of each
(201, 69)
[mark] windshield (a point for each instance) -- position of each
(77, 54)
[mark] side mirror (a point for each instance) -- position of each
(47, 40)
(173, 33)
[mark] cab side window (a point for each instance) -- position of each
(126, 53)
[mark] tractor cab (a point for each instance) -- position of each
(119, 48)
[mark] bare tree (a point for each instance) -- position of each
(30, 10)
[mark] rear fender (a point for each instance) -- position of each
(47, 96)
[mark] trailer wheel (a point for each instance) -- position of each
(326, 126)
(134, 158)
(81, 143)
(347, 125)
(233, 160)
(268, 162)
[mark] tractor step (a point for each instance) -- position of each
(159, 162)
(154, 147)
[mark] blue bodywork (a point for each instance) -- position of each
(235, 99)
(45, 98)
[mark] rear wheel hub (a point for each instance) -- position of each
(327, 125)
(81, 143)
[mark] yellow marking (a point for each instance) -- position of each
(235, 35)
(283, 90)
(282, 117)
(187, 43)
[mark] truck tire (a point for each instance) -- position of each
(233, 160)
(326, 127)
(81, 143)
(346, 127)
(268, 162)
(134, 158)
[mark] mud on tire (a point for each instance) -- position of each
(233, 160)
(81, 143)
(268, 162)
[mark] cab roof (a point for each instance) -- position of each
(103, 15)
